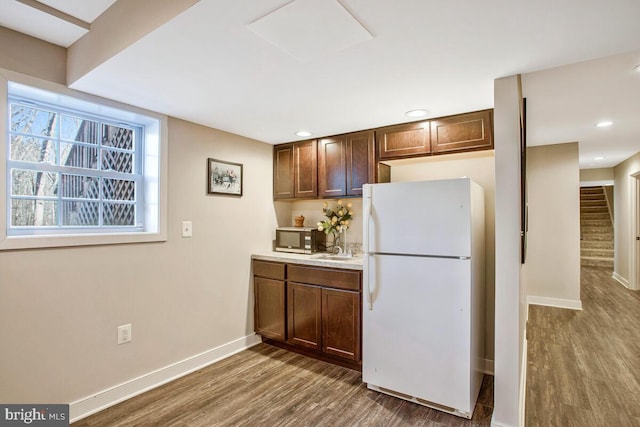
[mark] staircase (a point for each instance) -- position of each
(596, 230)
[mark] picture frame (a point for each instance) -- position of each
(224, 177)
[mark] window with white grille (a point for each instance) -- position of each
(82, 170)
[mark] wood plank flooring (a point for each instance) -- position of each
(269, 386)
(584, 366)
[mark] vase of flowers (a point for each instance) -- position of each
(337, 223)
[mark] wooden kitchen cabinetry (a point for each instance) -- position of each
(452, 134)
(295, 169)
(269, 307)
(322, 311)
(463, 132)
(406, 140)
(345, 163)
(329, 318)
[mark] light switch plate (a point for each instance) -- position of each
(187, 229)
(124, 333)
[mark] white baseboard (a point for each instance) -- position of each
(555, 302)
(97, 402)
(523, 381)
(618, 278)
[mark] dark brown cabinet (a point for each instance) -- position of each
(345, 164)
(332, 167)
(269, 307)
(305, 164)
(295, 170)
(303, 314)
(283, 171)
(321, 309)
(410, 139)
(341, 323)
(464, 132)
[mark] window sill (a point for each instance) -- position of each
(57, 241)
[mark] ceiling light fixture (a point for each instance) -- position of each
(636, 68)
(416, 113)
(303, 133)
(598, 158)
(604, 124)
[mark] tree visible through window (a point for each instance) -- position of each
(68, 169)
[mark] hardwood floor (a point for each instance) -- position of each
(269, 386)
(584, 366)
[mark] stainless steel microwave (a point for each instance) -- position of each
(300, 240)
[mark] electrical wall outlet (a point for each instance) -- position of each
(124, 333)
(187, 229)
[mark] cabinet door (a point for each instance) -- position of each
(464, 132)
(332, 167)
(411, 139)
(283, 171)
(304, 304)
(341, 323)
(305, 164)
(269, 311)
(360, 158)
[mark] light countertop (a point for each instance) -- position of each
(320, 259)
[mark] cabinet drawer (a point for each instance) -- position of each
(341, 279)
(271, 270)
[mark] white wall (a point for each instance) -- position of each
(553, 244)
(510, 312)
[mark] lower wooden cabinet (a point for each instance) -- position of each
(341, 323)
(312, 310)
(303, 315)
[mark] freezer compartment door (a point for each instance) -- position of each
(416, 338)
(423, 217)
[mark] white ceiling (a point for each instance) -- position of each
(209, 65)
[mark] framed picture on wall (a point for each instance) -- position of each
(224, 177)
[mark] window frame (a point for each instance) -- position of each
(151, 187)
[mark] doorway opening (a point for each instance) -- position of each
(596, 227)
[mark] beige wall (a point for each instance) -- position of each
(479, 166)
(31, 56)
(60, 308)
(553, 244)
(622, 218)
(596, 175)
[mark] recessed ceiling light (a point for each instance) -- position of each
(604, 124)
(416, 113)
(636, 68)
(303, 133)
(598, 158)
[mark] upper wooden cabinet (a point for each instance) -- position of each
(410, 139)
(360, 156)
(283, 171)
(471, 131)
(295, 170)
(332, 167)
(305, 165)
(345, 163)
(339, 166)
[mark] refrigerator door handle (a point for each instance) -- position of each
(367, 276)
(366, 271)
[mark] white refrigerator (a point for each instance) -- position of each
(423, 292)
